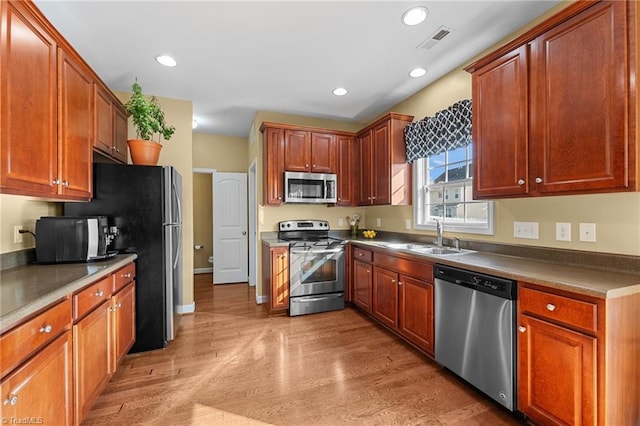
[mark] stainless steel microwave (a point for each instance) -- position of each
(319, 188)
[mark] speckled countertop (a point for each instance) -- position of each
(597, 282)
(25, 290)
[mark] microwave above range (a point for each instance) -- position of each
(311, 188)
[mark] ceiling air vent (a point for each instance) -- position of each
(441, 33)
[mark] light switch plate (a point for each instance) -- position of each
(563, 231)
(341, 222)
(407, 223)
(588, 232)
(528, 230)
(378, 222)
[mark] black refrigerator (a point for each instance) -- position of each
(144, 203)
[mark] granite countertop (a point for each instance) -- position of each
(27, 289)
(597, 282)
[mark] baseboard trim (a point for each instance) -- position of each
(202, 270)
(186, 309)
(261, 299)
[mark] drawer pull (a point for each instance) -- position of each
(522, 329)
(119, 305)
(10, 400)
(128, 275)
(551, 307)
(99, 293)
(46, 329)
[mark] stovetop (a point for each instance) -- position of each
(307, 233)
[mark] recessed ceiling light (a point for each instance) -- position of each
(194, 123)
(415, 15)
(417, 72)
(340, 91)
(167, 61)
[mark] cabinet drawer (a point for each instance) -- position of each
(24, 340)
(562, 309)
(123, 277)
(362, 255)
(414, 268)
(90, 297)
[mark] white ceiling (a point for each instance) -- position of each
(238, 57)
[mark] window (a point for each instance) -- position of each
(443, 191)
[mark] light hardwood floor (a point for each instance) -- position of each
(232, 365)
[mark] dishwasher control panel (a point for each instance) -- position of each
(501, 287)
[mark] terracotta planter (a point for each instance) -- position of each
(144, 153)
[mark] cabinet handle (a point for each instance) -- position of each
(520, 182)
(399, 282)
(522, 329)
(551, 307)
(306, 166)
(373, 198)
(65, 183)
(56, 181)
(119, 305)
(99, 293)
(393, 281)
(538, 180)
(314, 166)
(360, 254)
(10, 400)
(46, 329)
(128, 275)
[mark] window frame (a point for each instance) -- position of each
(419, 204)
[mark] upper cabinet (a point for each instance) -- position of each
(346, 170)
(48, 121)
(385, 175)
(555, 110)
(110, 125)
(309, 151)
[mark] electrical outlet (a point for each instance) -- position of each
(528, 230)
(378, 222)
(588, 232)
(407, 223)
(17, 236)
(563, 232)
(341, 222)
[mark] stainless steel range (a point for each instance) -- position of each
(316, 267)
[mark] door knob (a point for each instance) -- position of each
(244, 232)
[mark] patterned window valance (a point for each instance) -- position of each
(446, 130)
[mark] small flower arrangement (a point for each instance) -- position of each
(354, 220)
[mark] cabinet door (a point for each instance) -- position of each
(123, 308)
(380, 176)
(579, 114)
(415, 320)
(385, 296)
(323, 153)
(103, 121)
(92, 358)
(500, 127)
(279, 278)
(557, 378)
(364, 159)
(362, 285)
(121, 130)
(28, 101)
(346, 171)
(273, 166)
(75, 147)
(297, 151)
(41, 389)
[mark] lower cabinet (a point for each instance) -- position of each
(275, 278)
(123, 321)
(40, 391)
(398, 292)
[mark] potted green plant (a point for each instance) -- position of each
(149, 120)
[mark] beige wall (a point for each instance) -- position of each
(16, 210)
(214, 152)
(202, 220)
(178, 152)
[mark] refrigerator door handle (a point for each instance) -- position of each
(176, 258)
(178, 201)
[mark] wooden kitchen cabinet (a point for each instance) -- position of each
(275, 278)
(385, 296)
(23, 391)
(385, 175)
(121, 131)
(28, 101)
(123, 309)
(362, 285)
(554, 111)
(346, 170)
(110, 125)
(577, 357)
(273, 165)
(306, 151)
(415, 314)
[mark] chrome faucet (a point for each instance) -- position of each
(438, 233)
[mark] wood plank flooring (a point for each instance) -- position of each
(230, 364)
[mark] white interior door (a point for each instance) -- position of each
(230, 247)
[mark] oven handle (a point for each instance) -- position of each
(314, 298)
(315, 251)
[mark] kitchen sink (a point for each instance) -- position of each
(421, 248)
(439, 251)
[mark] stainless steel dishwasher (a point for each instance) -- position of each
(475, 330)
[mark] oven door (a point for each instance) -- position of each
(316, 271)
